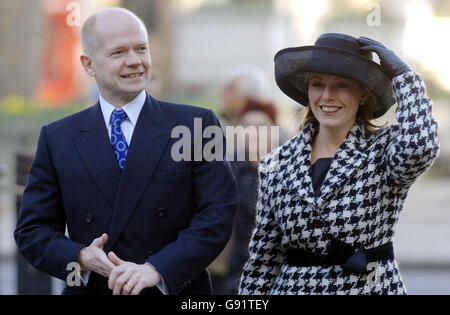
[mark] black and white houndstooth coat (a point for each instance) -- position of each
(360, 201)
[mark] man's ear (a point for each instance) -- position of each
(88, 66)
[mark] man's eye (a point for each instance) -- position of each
(117, 53)
(316, 84)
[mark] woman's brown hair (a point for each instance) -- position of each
(364, 114)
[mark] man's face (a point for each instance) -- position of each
(122, 63)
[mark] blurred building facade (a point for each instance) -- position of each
(21, 23)
(193, 42)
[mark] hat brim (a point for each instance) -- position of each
(292, 64)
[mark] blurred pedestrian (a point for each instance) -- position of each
(246, 175)
(330, 198)
(242, 83)
(245, 88)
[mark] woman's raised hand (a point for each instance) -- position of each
(390, 62)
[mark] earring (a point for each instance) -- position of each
(361, 104)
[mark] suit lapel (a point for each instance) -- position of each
(347, 160)
(297, 161)
(150, 138)
(297, 174)
(95, 150)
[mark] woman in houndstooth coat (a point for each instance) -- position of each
(330, 198)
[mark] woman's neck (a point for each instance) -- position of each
(327, 142)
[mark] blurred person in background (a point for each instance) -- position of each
(242, 84)
(108, 173)
(246, 175)
(244, 88)
(330, 198)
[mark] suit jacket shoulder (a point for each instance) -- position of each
(71, 122)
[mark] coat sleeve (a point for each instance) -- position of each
(39, 233)
(215, 200)
(266, 255)
(415, 145)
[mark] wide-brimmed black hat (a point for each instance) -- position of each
(336, 54)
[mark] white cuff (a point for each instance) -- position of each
(162, 285)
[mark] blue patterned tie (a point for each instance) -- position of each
(118, 140)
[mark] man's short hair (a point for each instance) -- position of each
(89, 39)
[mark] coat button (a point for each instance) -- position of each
(88, 218)
(160, 212)
(150, 252)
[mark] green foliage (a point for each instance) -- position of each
(200, 101)
(19, 106)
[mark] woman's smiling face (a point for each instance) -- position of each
(335, 100)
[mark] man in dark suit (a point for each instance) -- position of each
(138, 220)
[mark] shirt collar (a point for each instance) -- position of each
(132, 108)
